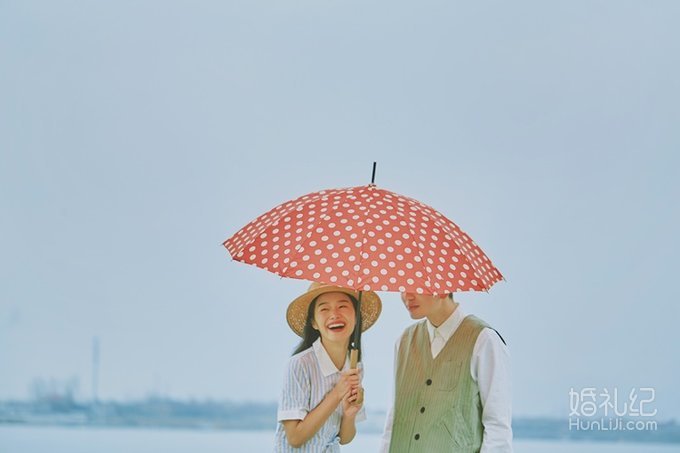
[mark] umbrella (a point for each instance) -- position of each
(365, 238)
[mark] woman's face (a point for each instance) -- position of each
(334, 316)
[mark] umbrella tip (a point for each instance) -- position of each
(373, 175)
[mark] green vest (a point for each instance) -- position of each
(437, 406)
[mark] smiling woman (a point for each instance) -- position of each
(335, 320)
(331, 316)
(319, 402)
(301, 312)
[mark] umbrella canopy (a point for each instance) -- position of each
(365, 238)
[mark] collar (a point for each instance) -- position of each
(448, 327)
(325, 363)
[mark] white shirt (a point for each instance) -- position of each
(309, 377)
(490, 369)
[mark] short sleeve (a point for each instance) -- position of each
(295, 395)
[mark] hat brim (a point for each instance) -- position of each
(296, 315)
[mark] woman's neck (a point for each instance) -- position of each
(337, 351)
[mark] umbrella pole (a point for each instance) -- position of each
(356, 342)
(354, 352)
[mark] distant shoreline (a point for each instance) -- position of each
(231, 416)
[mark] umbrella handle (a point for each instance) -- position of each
(353, 362)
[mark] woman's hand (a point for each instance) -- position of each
(349, 408)
(349, 381)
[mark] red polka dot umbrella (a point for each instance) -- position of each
(365, 238)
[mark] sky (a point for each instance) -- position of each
(135, 137)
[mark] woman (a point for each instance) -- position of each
(317, 411)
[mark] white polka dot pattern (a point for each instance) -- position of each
(365, 238)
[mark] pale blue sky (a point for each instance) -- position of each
(135, 138)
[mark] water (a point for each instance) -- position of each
(32, 439)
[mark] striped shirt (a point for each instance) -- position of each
(311, 374)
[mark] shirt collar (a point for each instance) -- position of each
(325, 363)
(448, 327)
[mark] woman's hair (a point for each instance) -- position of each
(310, 334)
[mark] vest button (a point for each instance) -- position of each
(422, 409)
(417, 436)
(429, 382)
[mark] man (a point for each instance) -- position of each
(452, 383)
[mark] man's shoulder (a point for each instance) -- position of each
(484, 328)
(411, 330)
(477, 322)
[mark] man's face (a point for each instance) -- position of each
(420, 306)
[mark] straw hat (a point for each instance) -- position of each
(297, 310)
